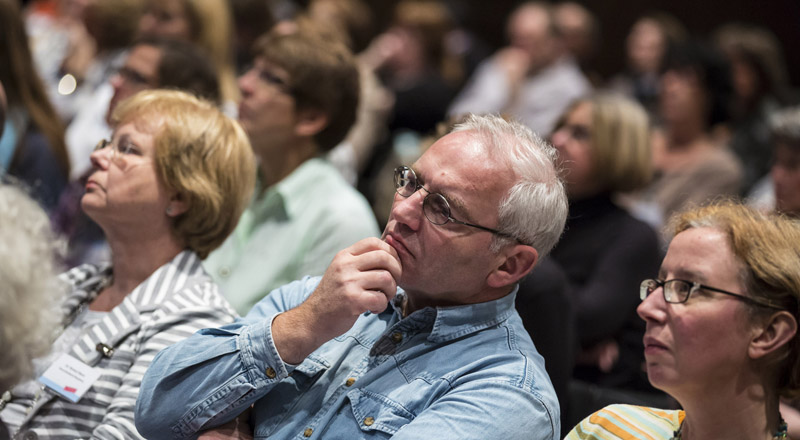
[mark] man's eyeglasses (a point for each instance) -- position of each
(434, 205)
(678, 291)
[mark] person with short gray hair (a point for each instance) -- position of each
(414, 335)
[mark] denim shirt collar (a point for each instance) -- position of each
(450, 323)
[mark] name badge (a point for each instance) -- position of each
(69, 377)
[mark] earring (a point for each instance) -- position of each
(169, 210)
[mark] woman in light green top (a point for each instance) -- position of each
(721, 331)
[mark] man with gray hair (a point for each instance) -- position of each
(410, 336)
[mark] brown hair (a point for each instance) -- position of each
(23, 85)
(322, 76)
(768, 246)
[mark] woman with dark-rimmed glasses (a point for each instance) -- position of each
(721, 331)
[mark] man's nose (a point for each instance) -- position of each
(409, 210)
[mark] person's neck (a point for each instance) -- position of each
(283, 162)
(416, 301)
(133, 261)
(733, 412)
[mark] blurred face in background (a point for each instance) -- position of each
(786, 179)
(573, 140)
(529, 29)
(140, 72)
(682, 97)
(166, 18)
(646, 44)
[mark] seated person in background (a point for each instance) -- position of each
(785, 127)
(413, 336)
(693, 166)
(534, 79)
(603, 145)
(167, 189)
(721, 331)
(298, 101)
(32, 145)
(28, 286)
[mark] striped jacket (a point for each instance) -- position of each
(628, 422)
(178, 299)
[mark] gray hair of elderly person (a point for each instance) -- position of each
(535, 208)
(29, 289)
(785, 127)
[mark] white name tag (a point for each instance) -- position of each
(69, 377)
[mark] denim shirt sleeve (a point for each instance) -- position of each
(213, 376)
(482, 410)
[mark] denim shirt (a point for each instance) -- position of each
(464, 372)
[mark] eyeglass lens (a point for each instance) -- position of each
(675, 291)
(434, 206)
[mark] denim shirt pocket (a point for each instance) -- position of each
(377, 413)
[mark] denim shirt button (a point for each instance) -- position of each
(397, 337)
(308, 432)
(270, 372)
(369, 421)
(350, 381)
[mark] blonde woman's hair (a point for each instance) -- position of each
(30, 292)
(768, 246)
(202, 155)
(620, 136)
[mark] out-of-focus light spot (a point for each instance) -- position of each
(67, 84)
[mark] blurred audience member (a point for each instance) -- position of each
(604, 148)
(785, 173)
(166, 189)
(581, 33)
(534, 79)
(29, 289)
(692, 165)
(150, 63)
(412, 61)
(206, 23)
(251, 19)
(721, 336)
(646, 48)
(351, 21)
(298, 101)
(760, 84)
(110, 27)
(32, 145)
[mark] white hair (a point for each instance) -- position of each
(30, 293)
(535, 208)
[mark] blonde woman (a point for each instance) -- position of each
(166, 189)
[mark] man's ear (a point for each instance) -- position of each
(177, 205)
(310, 122)
(515, 263)
(776, 332)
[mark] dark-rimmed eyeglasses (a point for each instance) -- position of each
(678, 291)
(434, 205)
